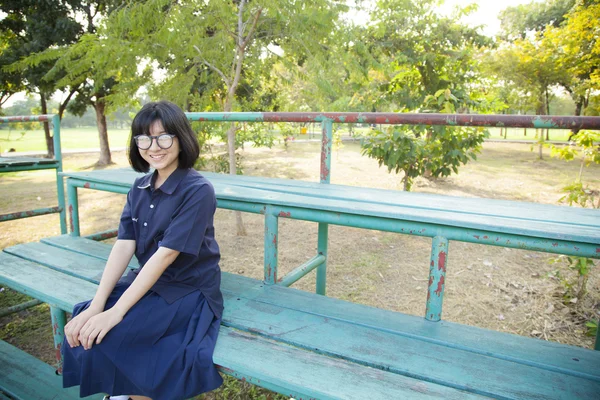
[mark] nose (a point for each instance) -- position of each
(154, 144)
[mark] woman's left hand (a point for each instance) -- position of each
(98, 326)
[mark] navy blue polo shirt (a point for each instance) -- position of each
(179, 216)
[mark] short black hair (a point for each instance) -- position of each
(175, 122)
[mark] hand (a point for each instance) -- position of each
(73, 327)
(98, 326)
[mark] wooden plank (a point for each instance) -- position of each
(553, 356)
(528, 351)
(42, 283)
(68, 262)
(404, 355)
(85, 246)
(541, 221)
(479, 206)
(306, 375)
(20, 161)
(23, 376)
(348, 340)
(284, 368)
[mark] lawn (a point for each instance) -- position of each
(87, 137)
(71, 138)
(502, 289)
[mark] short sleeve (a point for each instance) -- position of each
(190, 221)
(126, 231)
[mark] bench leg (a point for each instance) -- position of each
(59, 320)
(271, 241)
(73, 208)
(322, 250)
(437, 278)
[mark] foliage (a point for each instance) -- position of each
(419, 150)
(432, 67)
(592, 327)
(575, 289)
(536, 16)
(576, 193)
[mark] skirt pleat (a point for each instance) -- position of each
(160, 350)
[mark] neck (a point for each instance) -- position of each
(163, 175)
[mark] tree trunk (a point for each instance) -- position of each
(578, 111)
(240, 228)
(105, 157)
(49, 141)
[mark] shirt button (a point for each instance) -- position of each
(145, 224)
(151, 205)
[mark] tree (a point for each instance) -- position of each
(32, 26)
(576, 46)
(205, 48)
(518, 21)
(433, 70)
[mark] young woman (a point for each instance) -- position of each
(152, 333)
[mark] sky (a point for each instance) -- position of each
(486, 14)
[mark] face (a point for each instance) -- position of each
(165, 161)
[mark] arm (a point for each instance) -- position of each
(100, 324)
(119, 258)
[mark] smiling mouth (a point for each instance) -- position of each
(157, 157)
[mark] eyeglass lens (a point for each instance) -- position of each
(144, 142)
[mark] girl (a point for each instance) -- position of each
(152, 333)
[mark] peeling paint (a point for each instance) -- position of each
(440, 287)
(442, 261)
(285, 214)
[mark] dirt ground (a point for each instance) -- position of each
(492, 287)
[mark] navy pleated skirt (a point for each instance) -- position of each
(160, 350)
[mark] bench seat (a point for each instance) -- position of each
(307, 345)
(498, 217)
(26, 163)
(42, 382)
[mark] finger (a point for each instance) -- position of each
(100, 336)
(92, 337)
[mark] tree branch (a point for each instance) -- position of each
(252, 29)
(217, 70)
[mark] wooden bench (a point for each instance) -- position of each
(310, 346)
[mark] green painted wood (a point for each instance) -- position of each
(549, 355)
(301, 373)
(403, 355)
(20, 161)
(504, 217)
(68, 262)
(23, 376)
(42, 283)
(85, 246)
(552, 356)
(306, 375)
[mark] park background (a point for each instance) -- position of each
(96, 62)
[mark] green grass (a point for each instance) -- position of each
(71, 138)
(518, 134)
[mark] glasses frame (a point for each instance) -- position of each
(152, 138)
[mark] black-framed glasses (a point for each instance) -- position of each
(144, 142)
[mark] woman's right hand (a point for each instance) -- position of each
(73, 327)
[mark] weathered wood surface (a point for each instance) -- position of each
(23, 376)
(323, 332)
(547, 222)
(287, 369)
(24, 161)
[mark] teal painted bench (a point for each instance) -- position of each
(311, 346)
